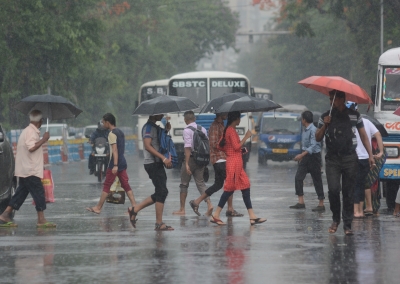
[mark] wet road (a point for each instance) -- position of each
(291, 247)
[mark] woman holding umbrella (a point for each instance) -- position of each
(236, 178)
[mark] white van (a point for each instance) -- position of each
(57, 131)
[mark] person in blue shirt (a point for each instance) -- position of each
(309, 162)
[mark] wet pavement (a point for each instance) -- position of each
(291, 247)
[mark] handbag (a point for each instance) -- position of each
(117, 193)
(48, 186)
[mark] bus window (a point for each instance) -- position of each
(194, 89)
(152, 91)
(391, 89)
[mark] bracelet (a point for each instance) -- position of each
(164, 160)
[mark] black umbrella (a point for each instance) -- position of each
(248, 104)
(377, 124)
(164, 104)
(52, 107)
(217, 102)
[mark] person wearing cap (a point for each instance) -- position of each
(339, 125)
(99, 132)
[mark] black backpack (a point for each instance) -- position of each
(201, 147)
(340, 137)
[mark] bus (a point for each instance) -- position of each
(386, 96)
(201, 87)
(262, 93)
(148, 91)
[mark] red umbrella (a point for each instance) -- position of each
(325, 84)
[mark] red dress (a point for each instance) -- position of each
(236, 177)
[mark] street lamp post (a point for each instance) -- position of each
(381, 26)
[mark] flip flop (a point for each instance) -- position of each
(166, 228)
(194, 207)
(257, 221)
(216, 221)
(133, 214)
(46, 225)
(333, 228)
(4, 224)
(233, 213)
(90, 209)
(368, 213)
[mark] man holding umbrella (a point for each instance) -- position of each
(338, 125)
(29, 169)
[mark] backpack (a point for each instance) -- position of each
(201, 147)
(166, 145)
(340, 136)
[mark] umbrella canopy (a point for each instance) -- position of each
(165, 104)
(217, 102)
(325, 84)
(52, 107)
(248, 104)
(377, 124)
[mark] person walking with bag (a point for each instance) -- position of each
(190, 166)
(154, 163)
(29, 169)
(236, 177)
(218, 160)
(117, 166)
(339, 126)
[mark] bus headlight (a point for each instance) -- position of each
(240, 131)
(297, 146)
(178, 131)
(392, 152)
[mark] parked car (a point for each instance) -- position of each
(57, 130)
(8, 182)
(88, 130)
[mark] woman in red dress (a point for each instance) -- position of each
(236, 177)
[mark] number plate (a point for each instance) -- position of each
(280, 151)
(100, 155)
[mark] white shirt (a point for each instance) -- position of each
(371, 130)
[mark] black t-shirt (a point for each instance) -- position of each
(340, 135)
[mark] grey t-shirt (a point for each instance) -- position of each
(150, 131)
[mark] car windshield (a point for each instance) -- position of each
(280, 125)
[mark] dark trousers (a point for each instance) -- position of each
(359, 190)
(391, 193)
(220, 175)
(156, 172)
(91, 162)
(310, 164)
(341, 168)
(32, 185)
(245, 194)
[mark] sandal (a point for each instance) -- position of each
(233, 213)
(348, 232)
(5, 224)
(194, 207)
(133, 214)
(216, 221)
(333, 228)
(257, 221)
(165, 228)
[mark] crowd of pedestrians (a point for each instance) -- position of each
(354, 157)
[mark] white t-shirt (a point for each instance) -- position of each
(370, 129)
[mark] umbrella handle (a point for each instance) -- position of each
(330, 111)
(47, 126)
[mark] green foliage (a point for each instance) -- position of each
(98, 53)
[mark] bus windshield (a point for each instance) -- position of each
(220, 86)
(280, 125)
(151, 92)
(194, 89)
(391, 89)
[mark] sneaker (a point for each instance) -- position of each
(298, 206)
(319, 209)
